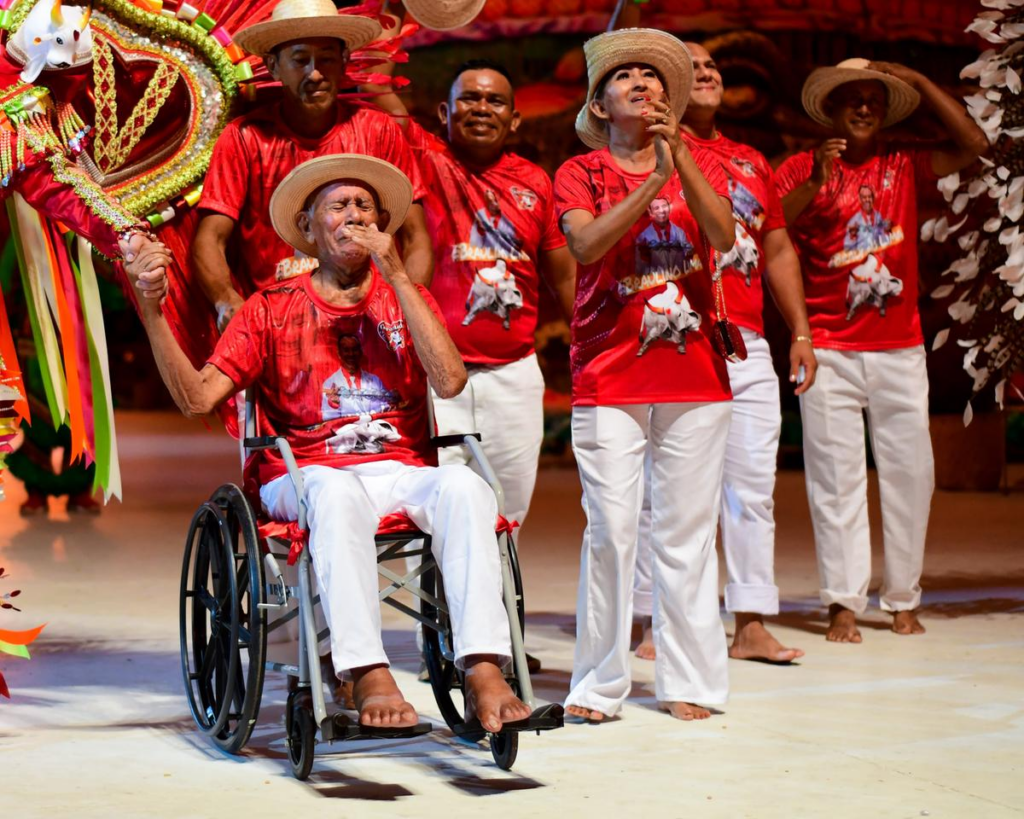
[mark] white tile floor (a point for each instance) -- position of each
(895, 727)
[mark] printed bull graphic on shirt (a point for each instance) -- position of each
(667, 317)
(364, 435)
(493, 290)
(744, 255)
(871, 283)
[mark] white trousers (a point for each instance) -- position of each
(451, 503)
(687, 444)
(892, 386)
(505, 405)
(748, 485)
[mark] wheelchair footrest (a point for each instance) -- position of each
(545, 718)
(343, 728)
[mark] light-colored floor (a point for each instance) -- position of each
(896, 727)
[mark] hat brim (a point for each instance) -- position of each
(664, 53)
(393, 189)
(261, 38)
(903, 99)
(444, 16)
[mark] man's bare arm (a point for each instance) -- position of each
(969, 139)
(417, 250)
(560, 272)
(197, 393)
(796, 201)
(209, 254)
(787, 288)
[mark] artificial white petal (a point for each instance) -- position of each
(968, 414)
(942, 291)
(993, 343)
(940, 230)
(988, 163)
(1000, 392)
(928, 230)
(993, 95)
(940, 338)
(1011, 31)
(993, 224)
(960, 203)
(1003, 172)
(966, 269)
(1008, 235)
(980, 378)
(968, 240)
(1010, 304)
(949, 184)
(1012, 79)
(976, 188)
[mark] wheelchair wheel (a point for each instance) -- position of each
(301, 729)
(504, 749)
(222, 629)
(446, 680)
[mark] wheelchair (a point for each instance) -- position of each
(232, 578)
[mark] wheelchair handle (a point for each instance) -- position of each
(442, 441)
(261, 442)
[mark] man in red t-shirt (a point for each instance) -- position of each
(852, 210)
(362, 449)
(762, 247)
(491, 216)
(306, 47)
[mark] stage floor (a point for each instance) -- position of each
(894, 727)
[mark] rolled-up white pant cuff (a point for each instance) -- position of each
(503, 654)
(751, 599)
(855, 603)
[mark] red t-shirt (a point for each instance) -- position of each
(488, 230)
(758, 209)
(255, 152)
(858, 249)
(648, 299)
(343, 384)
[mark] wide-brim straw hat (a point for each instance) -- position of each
(664, 53)
(393, 189)
(444, 15)
(303, 20)
(823, 81)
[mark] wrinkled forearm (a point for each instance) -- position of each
(436, 350)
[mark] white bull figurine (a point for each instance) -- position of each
(744, 254)
(53, 36)
(364, 435)
(871, 283)
(493, 289)
(667, 316)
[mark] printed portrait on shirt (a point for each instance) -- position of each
(493, 236)
(745, 206)
(663, 250)
(867, 231)
(493, 290)
(351, 390)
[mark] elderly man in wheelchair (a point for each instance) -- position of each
(340, 361)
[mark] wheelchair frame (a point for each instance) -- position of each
(224, 531)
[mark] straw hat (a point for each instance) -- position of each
(444, 15)
(823, 81)
(305, 19)
(664, 53)
(393, 188)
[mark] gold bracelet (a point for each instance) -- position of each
(802, 338)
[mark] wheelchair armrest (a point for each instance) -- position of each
(261, 442)
(442, 441)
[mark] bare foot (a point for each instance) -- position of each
(341, 690)
(488, 696)
(378, 700)
(906, 622)
(752, 641)
(585, 713)
(645, 651)
(685, 711)
(842, 627)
